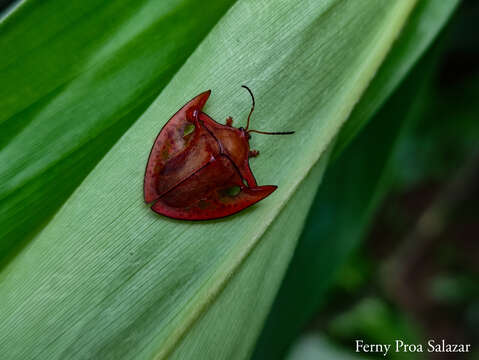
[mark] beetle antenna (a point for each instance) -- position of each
(258, 131)
(272, 132)
(252, 107)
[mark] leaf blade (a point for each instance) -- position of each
(352, 188)
(71, 90)
(424, 24)
(130, 275)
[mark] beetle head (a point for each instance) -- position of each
(245, 133)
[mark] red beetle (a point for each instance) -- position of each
(199, 169)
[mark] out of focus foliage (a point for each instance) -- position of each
(415, 277)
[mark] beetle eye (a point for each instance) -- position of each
(188, 130)
(233, 191)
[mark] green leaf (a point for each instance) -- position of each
(353, 188)
(75, 76)
(108, 278)
(425, 22)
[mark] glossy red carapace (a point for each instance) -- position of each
(199, 169)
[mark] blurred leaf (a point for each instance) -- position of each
(316, 347)
(352, 189)
(75, 76)
(107, 278)
(423, 25)
(376, 323)
(440, 145)
(457, 289)
(7, 6)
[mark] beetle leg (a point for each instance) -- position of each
(229, 121)
(253, 153)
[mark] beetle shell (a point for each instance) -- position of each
(201, 174)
